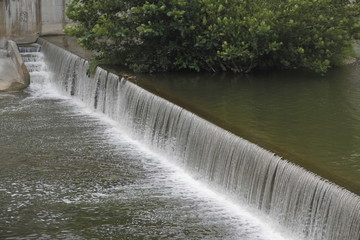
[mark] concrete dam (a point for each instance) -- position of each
(99, 157)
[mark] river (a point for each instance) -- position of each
(68, 172)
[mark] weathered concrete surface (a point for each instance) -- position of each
(14, 75)
(3, 43)
(25, 20)
(71, 45)
(53, 17)
(19, 20)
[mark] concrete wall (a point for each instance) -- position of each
(2, 43)
(24, 20)
(19, 20)
(52, 16)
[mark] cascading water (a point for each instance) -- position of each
(304, 203)
(33, 59)
(34, 62)
(70, 173)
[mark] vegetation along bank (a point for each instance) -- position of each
(223, 35)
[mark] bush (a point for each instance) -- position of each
(236, 35)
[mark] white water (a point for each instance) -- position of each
(173, 181)
(305, 204)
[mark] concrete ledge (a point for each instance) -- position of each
(14, 75)
(3, 43)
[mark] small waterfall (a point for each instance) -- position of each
(30, 48)
(304, 203)
(33, 58)
(34, 62)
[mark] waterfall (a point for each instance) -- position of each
(307, 205)
(34, 62)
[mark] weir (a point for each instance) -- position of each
(307, 205)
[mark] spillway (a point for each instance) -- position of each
(302, 202)
(68, 172)
(275, 190)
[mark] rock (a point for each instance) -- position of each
(354, 60)
(13, 72)
(350, 61)
(357, 48)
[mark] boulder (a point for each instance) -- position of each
(14, 75)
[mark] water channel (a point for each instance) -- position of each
(101, 158)
(310, 119)
(70, 173)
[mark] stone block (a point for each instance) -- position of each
(14, 75)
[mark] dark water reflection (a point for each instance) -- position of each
(306, 118)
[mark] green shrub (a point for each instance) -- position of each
(235, 35)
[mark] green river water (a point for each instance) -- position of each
(70, 173)
(67, 173)
(308, 119)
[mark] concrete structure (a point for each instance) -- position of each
(24, 20)
(13, 72)
(19, 20)
(2, 43)
(53, 17)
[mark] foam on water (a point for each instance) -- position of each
(303, 203)
(183, 185)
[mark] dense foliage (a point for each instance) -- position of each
(236, 35)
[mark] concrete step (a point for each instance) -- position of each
(32, 57)
(3, 53)
(28, 48)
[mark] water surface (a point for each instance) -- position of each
(68, 173)
(311, 120)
